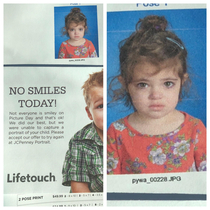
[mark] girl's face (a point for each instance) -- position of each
(76, 31)
(154, 95)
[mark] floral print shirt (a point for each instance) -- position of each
(86, 50)
(130, 152)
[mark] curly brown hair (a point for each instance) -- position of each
(94, 80)
(75, 16)
(153, 43)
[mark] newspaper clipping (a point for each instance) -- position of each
(45, 68)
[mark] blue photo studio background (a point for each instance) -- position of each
(190, 26)
(59, 17)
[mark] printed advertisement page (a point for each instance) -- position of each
(53, 105)
(44, 108)
(156, 114)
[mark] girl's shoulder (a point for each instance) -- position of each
(189, 119)
(64, 42)
(192, 125)
(120, 124)
(88, 42)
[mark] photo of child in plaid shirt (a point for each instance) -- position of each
(83, 164)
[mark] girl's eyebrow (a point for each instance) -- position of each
(141, 80)
(170, 78)
(146, 80)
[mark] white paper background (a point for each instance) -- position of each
(152, 6)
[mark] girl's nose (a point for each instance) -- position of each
(155, 94)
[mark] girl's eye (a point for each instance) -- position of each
(142, 85)
(169, 84)
(71, 29)
(81, 29)
(100, 106)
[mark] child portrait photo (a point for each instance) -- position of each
(76, 32)
(156, 91)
